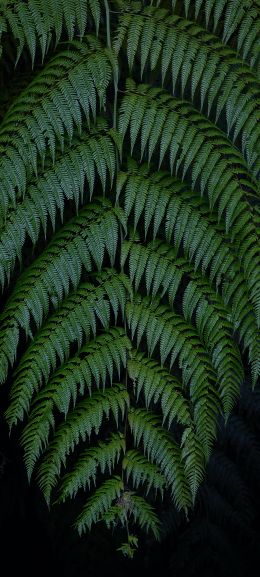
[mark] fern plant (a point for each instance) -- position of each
(226, 510)
(130, 261)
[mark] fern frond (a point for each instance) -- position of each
(201, 63)
(36, 23)
(128, 319)
(131, 505)
(52, 106)
(194, 459)
(162, 450)
(142, 471)
(50, 277)
(157, 263)
(247, 40)
(90, 156)
(205, 163)
(178, 340)
(185, 217)
(173, 124)
(164, 271)
(87, 416)
(234, 20)
(99, 504)
(104, 457)
(215, 331)
(52, 345)
(157, 384)
(57, 394)
(243, 318)
(144, 515)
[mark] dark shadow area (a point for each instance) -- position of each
(219, 538)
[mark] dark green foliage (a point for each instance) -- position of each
(129, 247)
(222, 532)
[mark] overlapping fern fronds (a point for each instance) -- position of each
(129, 244)
(227, 500)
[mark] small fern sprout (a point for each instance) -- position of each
(128, 549)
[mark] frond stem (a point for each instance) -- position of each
(108, 23)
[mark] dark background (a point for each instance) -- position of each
(221, 536)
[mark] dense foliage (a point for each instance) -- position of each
(129, 244)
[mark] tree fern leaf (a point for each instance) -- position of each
(86, 416)
(146, 43)
(171, 202)
(174, 110)
(52, 345)
(178, 340)
(237, 203)
(156, 286)
(63, 182)
(36, 21)
(226, 17)
(161, 450)
(157, 384)
(188, 44)
(47, 280)
(54, 114)
(104, 457)
(142, 471)
(194, 459)
(99, 503)
(144, 514)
